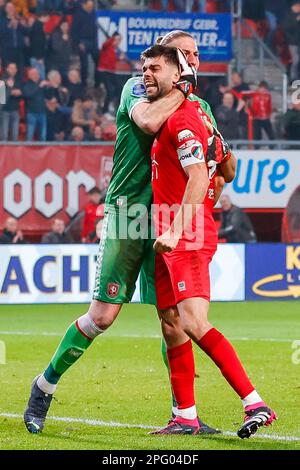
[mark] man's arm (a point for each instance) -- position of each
(228, 169)
(194, 195)
(151, 116)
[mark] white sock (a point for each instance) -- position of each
(46, 386)
(188, 413)
(174, 410)
(88, 326)
(251, 399)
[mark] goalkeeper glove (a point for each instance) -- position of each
(218, 148)
(188, 78)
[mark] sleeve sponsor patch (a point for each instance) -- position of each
(190, 153)
(185, 134)
(138, 89)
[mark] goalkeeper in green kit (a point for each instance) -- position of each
(122, 254)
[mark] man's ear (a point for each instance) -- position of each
(176, 77)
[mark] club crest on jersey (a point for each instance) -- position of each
(113, 289)
(138, 89)
(185, 134)
(181, 286)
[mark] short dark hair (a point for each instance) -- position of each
(94, 190)
(169, 53)
(263, 83)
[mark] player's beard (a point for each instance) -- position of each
(161, 91)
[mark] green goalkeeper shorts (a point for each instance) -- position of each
(120, 261)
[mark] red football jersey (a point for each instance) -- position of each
(182, 141)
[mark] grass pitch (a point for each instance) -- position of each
(121, 379)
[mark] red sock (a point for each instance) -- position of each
(182, 374)
(218, 348)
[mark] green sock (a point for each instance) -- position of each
(70, 349)
(165, 359)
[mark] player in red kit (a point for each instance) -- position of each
(183, 189)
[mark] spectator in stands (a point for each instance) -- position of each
(97, 135)
(238, 85)
(85, 114)
(2, 8)
(254, 10)
(22, 7)
(291, 27)
(275, 11)
(227, 117)
(77, 134)
(291, 122)
(215, 91)
(11, 232)
(58, 233)
(240, 90)
(200, 6)
(92, 211)
(261, 108)
(12, 38)
(55, 121)
(178, 4)
(84, 35)
(61, 49)
(54, 88)
(38, 44)
(236, 226)
(10, 110)
(34, 94)
(74, 86)
(106, 70)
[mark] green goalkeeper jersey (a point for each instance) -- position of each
(131, 177)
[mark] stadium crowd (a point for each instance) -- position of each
(47, 48)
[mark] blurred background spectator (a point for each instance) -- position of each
(86, 114)
(60, 49)
(10, 111)
(12, 38)
(34, 94)
(236, 227)
(291, 122)
(58, 233)
(106, 71)
(38, 44)
(261, 107)
(227, 117)
(11, 232)
(291, 27)
(93, 211)
(77, 134)
(84, 35)
(55, 121)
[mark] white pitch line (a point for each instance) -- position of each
(99, 423)
(154, 336)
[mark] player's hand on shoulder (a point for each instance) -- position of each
(165, 243)
(188, 78)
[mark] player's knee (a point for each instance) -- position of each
(194, 327)
(167, 330)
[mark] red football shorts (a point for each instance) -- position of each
(180, 275)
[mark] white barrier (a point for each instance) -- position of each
(65, 273)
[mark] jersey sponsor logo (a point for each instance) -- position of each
(181, 286)
(185, 134)
(191, 150)
(138, 89)
(112, 289)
